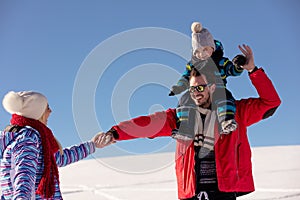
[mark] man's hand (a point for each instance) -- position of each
(247, 51)
(102, 139)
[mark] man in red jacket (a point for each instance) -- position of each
(212, 166)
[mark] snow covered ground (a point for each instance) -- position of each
(145, 177)
(276, 173)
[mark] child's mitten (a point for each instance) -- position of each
(239, 60)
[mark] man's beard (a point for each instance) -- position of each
(204, 104)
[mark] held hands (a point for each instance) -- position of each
(247, 51)
(102, 139)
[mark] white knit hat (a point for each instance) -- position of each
(201, 37)
(25, 103)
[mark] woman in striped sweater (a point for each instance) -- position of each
(29, 152)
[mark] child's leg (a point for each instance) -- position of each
(183, 82)
(181, 86)
(225, 105)
(186, 118)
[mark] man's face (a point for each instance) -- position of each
(201, 99)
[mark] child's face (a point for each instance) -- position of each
(203, 53)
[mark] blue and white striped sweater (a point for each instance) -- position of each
(21, 165)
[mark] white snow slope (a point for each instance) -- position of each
(146, 177)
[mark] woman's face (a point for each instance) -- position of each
(45, 116)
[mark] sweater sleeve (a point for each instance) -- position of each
(156, 125)
(253, 110)
(25, 153)
(74, 153)
(228, 68)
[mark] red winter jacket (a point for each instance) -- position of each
(232, 151)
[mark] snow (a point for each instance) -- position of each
(276, 174)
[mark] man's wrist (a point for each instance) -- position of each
(253, 70)
(114, 133)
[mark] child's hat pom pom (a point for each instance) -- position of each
(196, 27)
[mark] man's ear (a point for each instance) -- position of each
(212, 88)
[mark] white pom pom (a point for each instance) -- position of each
(196, 27)
(12, 102)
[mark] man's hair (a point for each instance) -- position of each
(209, 74)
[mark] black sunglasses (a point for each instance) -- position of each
(199, 88)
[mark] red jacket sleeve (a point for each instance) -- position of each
(155, 125)
(253, 110)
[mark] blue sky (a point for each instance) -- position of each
(45, 45)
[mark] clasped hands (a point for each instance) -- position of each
(102, 139)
